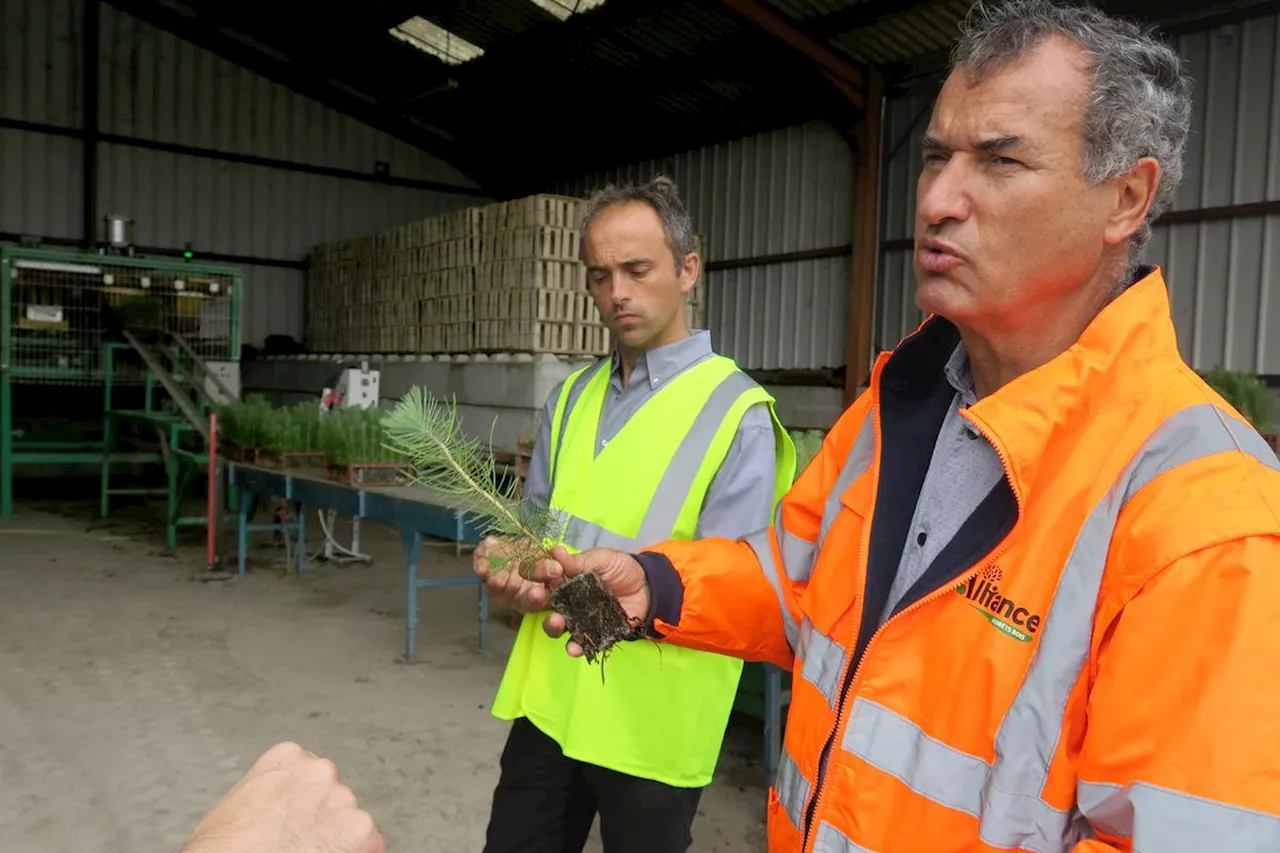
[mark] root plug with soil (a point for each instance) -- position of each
(594, 617)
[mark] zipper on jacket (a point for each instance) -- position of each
(854, 668)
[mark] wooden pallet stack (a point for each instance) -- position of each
(503, 277)
(531, 287)
(341, 310)
(447, 277)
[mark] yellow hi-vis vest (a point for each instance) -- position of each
(660, 712)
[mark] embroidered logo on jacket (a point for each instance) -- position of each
(983, 594)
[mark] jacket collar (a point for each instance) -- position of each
(1130, 343)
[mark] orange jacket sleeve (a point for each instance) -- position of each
(740, 597)
(1182, 749)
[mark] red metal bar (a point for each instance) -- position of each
(211, 526)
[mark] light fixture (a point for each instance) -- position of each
(562, 9)
(436, 40)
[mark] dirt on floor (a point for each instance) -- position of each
(134, 693)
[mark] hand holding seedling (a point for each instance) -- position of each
(618, 573)
(517, 561)
(492, 561)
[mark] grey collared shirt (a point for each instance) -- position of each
(740, 497)
(964, 468)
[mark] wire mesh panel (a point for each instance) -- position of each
(60, 307)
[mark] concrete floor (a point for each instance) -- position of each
(133, 695)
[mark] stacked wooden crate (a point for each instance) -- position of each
(503, 277)
(446, 311)
(531, 287)
(404, 290)
(342, 312)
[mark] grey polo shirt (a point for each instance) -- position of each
(964, 468)
(740, 497)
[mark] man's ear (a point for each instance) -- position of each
(689, 271)
(1135, 193)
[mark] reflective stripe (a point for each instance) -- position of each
(793, 788)
(664, 510)
(575, 391)
(797, 554)
(855, 465)
(1008, 796)
(831, 840)
(895, 745)
(1173, 821)
(822, 660)
(761, 543)
(677, 480)
(583, 534)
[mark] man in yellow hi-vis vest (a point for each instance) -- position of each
(662, 439)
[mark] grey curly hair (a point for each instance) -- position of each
(1139, 101)
(660, 194)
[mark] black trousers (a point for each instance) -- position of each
(545, 803)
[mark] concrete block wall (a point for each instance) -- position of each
(501, 393)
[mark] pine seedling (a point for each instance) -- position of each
(444, 458)
(428, 432)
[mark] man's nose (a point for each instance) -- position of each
(942, 194)
(621, 288)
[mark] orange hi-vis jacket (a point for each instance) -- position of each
(1092, 664)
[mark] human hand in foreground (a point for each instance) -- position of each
(290, 800)
(617, 570)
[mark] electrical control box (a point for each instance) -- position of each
(357, 387)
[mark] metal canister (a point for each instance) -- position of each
(119, 230)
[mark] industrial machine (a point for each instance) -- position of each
(352, 388)
(147, 347)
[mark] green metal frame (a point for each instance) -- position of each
(182, 463)
(14, 453)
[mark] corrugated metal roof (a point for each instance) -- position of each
(488, 23)
(806, 10)
(899, 37)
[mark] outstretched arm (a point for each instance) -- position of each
(738, 597)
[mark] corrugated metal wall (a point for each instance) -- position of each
(1222, 274)
(40, 81)
(156, 87)
(783, 191)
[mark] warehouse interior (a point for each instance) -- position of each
(232, 209)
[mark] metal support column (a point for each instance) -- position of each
(89, 150)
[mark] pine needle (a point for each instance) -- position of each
(428, 432)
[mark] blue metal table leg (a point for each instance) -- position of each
(772, 719)
(244, 528)
(412, 549)
(302, 537)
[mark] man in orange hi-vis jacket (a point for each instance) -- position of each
(1030, 589)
